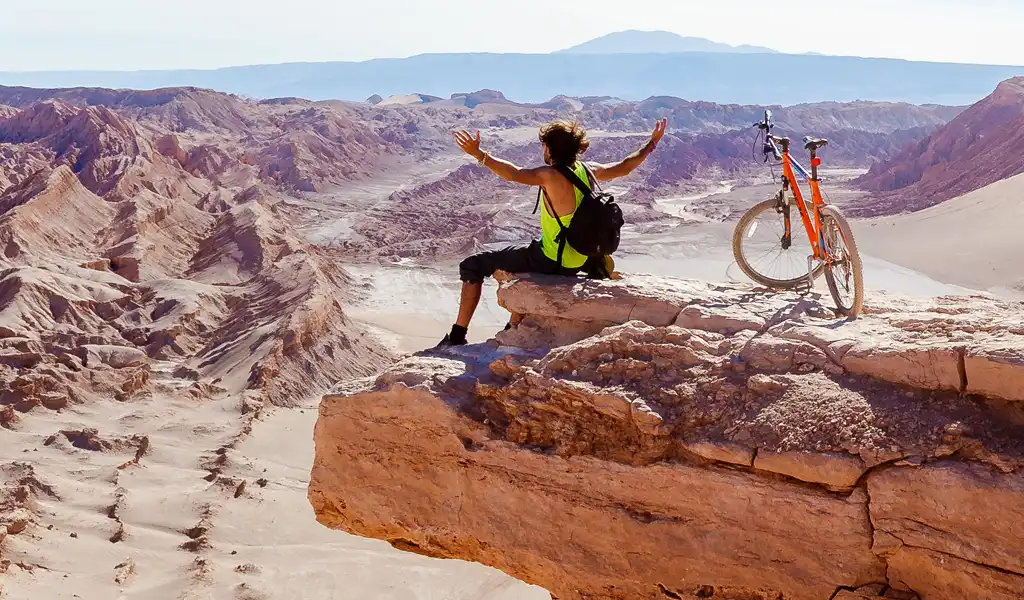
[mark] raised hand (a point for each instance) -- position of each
(659, 132)
(469, 144)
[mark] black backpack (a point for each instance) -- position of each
(594, 229)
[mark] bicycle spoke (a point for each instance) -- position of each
(835, 250)
(761, 245)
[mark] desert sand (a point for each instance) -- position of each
(264, 543)
(974, 240)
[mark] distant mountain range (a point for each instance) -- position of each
(643, 42)
(737, 76)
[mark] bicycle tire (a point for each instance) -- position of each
(856, 265)
(744, 264)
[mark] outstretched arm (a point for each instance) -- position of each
(502, 168)
(627, 165)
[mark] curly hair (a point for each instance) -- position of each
(565, 140)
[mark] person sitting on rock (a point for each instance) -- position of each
(563, 143)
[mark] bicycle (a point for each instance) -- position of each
(831, 250)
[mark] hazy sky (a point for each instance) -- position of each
(140, 34)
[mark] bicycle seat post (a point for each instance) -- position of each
(812, 145)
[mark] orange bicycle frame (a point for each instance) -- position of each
(790, 181)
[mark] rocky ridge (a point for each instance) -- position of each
(187, 138)
(688, 116)
(217, 150)
(982, 145)
(148, 279)
(664, 438)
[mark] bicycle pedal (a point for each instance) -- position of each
(804, 287)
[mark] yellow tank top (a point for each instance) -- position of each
(550, 230)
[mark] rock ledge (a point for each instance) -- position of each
(666, 438)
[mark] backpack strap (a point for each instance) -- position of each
(560, 238)
(575, 179)
(594, 183)
(578, 183)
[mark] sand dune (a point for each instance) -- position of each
(974, 240)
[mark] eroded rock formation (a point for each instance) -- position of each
(664, 438)
(981, 146)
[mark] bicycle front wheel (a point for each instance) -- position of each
(844, 271)
(764, 254)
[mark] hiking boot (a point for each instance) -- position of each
(602, 268)
(447, 342)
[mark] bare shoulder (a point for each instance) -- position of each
(545, 173)
(602, 172)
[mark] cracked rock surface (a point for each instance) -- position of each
(655, 437)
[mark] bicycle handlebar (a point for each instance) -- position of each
(765, 124)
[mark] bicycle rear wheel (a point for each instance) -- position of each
(844, 271)
(760, 250)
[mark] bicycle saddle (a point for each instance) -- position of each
(814, 143)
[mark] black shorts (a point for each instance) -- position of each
(514, 259)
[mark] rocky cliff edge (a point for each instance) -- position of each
(666, 438)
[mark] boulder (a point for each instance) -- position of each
(117, 357)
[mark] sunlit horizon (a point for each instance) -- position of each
(194, 34)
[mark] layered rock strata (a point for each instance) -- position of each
(665, 438)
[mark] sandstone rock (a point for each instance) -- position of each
(248, 568)
(487, 501)
(17, 520)
(545, 332)
(927, 368)
(955, 509)
(996, 371)
(87, 439)
(124, 571)
(933, 345)
(648, 299)
(117, 357)
(831, 469)
(630, 431)
(875, 590)
(8, 418)
(936, 575)
(723, 452)
(764, 384)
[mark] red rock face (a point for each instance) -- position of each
(661, 438)
(982, 145)
(145, 230)
(131, 142)
(38, 121)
